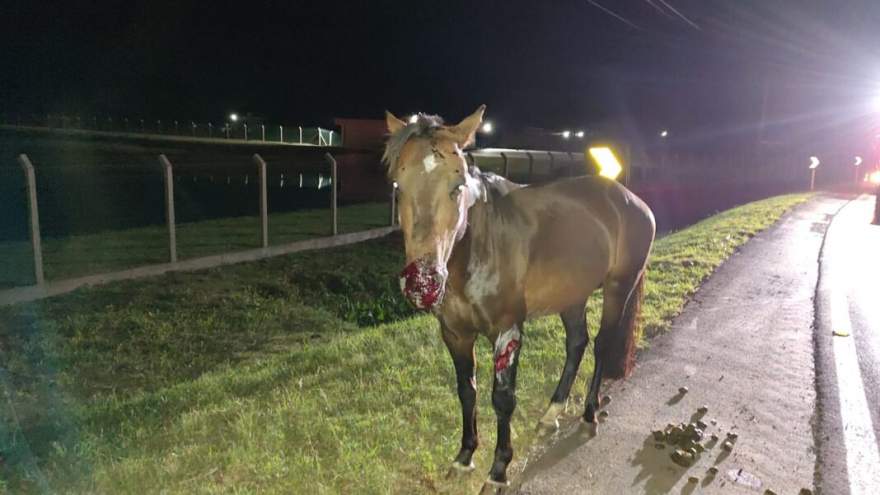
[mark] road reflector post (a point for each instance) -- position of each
(34, 224)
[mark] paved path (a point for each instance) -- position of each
(744, 347)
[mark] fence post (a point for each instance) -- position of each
(319, 136)
(264, 200)
(263, 131)
(280, 133)
(169, 207)
(300, 135)
(245, 132)
(333, 177)
(531, 165)
(210, 130)
(506, 165)
(393, 202)
(36, 243)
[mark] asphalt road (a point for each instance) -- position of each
(755, 346)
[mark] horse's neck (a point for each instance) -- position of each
(479, 240)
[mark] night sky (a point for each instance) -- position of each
(808, 64)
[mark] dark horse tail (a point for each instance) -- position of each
(618, 350)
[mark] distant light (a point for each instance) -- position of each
(233, 117)
(874, 178)
(579, 134)
(395, 185)
(664, 133)
(413, 118)
(566, 134)
(858, 161)
(608, 164)
(487, 128)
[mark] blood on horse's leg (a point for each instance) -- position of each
(576, 340)
(462, 352)
(507, 347)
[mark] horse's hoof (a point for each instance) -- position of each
(459, 469)
(592, 426)
(546, 429)
(492, 487)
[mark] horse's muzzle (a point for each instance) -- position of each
(423, 283)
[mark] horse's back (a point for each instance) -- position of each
(582, 229)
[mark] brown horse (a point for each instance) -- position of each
(485, 254)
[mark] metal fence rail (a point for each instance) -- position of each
(246, 131)
(44, 288)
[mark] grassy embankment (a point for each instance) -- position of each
(67, 257)
(255, 377)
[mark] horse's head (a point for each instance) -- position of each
(435, 189)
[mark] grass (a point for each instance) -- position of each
(67, 257)
(259, 378)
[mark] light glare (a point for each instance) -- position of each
(579, 134)
(566, 134)
(874, 178)
(487, 128)
(608, 164)
(233, 117)
(413, 118)
(664, 133)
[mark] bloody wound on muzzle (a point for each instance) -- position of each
(421, 284)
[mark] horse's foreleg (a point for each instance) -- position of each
(507, 350)
(462, 352)
(576, 340)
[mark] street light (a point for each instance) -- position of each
(486, 127)
(566, 134)
(579, 134)
(664, 133)
(233, 117)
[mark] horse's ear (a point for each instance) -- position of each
(394, 124)
(465, 131)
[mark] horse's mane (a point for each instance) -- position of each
(424, 126)
(496, 185)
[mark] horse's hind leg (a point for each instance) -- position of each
(615, 343)
(576, 339)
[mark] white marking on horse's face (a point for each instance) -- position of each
(430, 162)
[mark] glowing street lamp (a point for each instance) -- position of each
(664, 133)
(566, 134)
(579, 134)
(233, 117)
(608, 164)
(487, 127)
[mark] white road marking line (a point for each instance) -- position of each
(862, 456)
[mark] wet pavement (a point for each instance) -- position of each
(744, 347)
